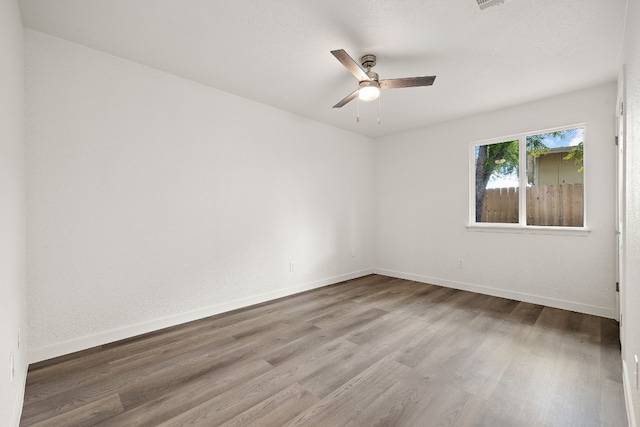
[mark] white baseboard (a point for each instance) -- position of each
(518, 296)
(628, 400)
(85, 342)
(19, 402)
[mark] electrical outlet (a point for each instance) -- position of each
(12, 371)
(292, 266)
(460, 263)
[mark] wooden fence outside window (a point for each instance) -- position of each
(547, 205)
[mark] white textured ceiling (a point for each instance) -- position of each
(278, 52)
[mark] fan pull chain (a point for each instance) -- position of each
(379, 109)
(358, 116)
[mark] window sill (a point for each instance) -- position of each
(517, 229)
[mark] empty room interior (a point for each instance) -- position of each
(363, 213)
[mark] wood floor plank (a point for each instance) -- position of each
(185, 370)
(610, 366)
(612, 405)
(574, 391)
(385, 327)
(227, 405)
(547, 333)
(293, 349)
(355, 318)
(436, 334)
(90, 388)
(372, 351)
(180, 399)
(345, 402)
(443, 361)
(480, 373)
(483, 369)
(519, 396)
(399, 402)
(322, 381)
(410, 293)
(441, 303)
(276, 410)
(87, 415)
(451, 406)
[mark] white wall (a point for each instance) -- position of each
(12, 213)
(422, 209)
(631, 276)
(153, 200)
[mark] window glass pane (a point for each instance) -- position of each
(555, 177)
(496, 182)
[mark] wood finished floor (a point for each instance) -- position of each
(373, 351)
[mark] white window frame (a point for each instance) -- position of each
(521, 227)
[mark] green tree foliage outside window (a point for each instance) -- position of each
(577, 154)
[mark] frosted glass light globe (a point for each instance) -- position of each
(369, 90)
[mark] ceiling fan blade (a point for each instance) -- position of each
(407, 82)
(347, 98)
(351, 65)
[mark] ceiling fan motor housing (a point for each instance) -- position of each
(368, 61)
(483, 4)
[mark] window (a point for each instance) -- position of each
(546, 167)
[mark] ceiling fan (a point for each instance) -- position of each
(369, 86)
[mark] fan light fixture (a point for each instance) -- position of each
(369, 90)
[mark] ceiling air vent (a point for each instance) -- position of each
(488, 3)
